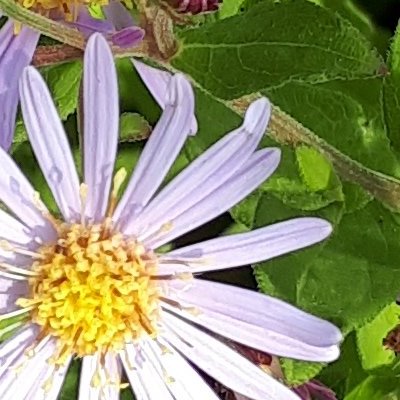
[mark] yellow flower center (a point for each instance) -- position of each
(93, 290)
(69, 8)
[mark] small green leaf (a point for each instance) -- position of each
(369, 338)
(133, 127)
(299, 372)
(229, 8)
(96, 11)
(315, 169)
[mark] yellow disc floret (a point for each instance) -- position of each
(93, 290)
(69, 8)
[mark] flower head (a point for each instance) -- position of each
(18, 44)
(91, 282)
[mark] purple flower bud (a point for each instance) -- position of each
(194, 6)
(128, 37)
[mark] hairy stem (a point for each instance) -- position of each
(286, 130)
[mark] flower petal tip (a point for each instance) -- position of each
(180, 91)
(275, 156)
(257, 115)
(30, 75)
(321, 228)
(97, 42)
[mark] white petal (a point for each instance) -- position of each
(49, 142)
(101, 119)
(15, 346)
(259, 321)
(224, 364)
(49, 383)
(172, 372)
(15, 290)
(144, 377)
(13, 231)
(17, 385)
(253, 172)
(206, 173)
(157, 81)
(18, 195)
(247, 248)
(109, 373)
(160, 151)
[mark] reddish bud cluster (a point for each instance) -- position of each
(194, 6)
(392, 340)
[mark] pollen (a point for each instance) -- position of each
(93, 290)
(68, 8)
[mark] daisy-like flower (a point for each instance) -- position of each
(92, 284)
(18, 44)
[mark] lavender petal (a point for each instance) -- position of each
(207, 172)
(157, 81)
(223, 363)
(160, 151)
(49, 142)
(260, 321)
(252, 173)
(101, 121)
(247, 248)
(16, 52)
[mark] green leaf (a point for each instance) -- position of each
(376, 388)
(296, 183)
(355, 197)
(133, 127)
(281, 277)
(64, 82)
(299, 372)
(126, 394)
(261, 51)
(134, 96)
(391, 92)
(369, 338)
(244, 212)
(315, 169)
(345, 374)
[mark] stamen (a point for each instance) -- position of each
(83, 191)
(16, 313)
(164, 228)
(7, 246)
(195, 311)
(42, 209)
(13, 276)
(184, 276)
(119, 179)
(18, 270)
